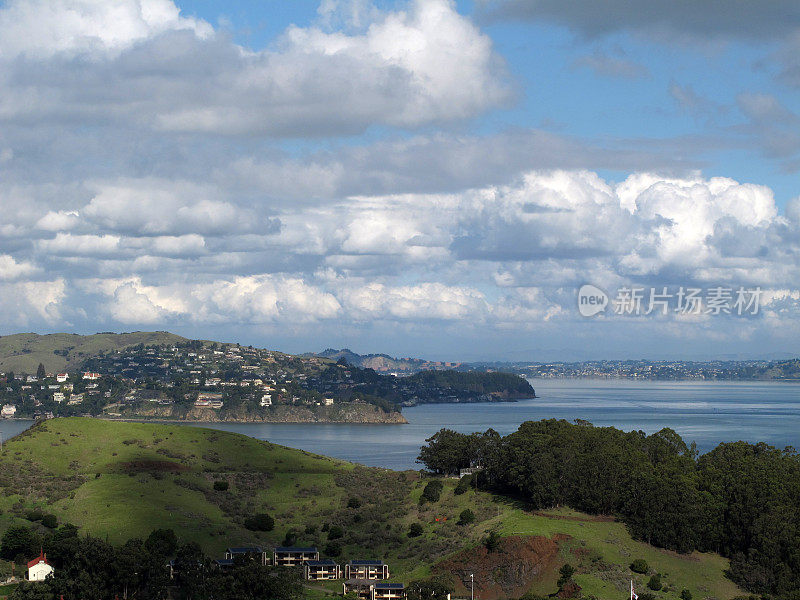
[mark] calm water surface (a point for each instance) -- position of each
(706, 413)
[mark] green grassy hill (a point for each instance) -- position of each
(120, 480)
(23, 352)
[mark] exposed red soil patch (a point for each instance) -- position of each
(508, 572)
(582, 519)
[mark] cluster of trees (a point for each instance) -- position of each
(741, 500)
(88, 567)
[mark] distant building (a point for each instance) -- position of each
(327, 401)
(373, 590)
(293, 556)
(266, 400)
(39, 568)
(8, 411)
(62, 377)
(250, 552)
(320, 570)
(75, 399)
(91, 375)
(58, 397)
(366, 569)
(209, 399)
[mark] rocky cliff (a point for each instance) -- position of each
(345, 412)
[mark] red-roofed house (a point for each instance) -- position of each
(91, 376)
(39, 568)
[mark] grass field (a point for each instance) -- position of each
(122, 480)
(23, 352)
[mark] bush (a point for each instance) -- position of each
(432, 491)
(566, 572)
(260, 522)
(492, 541)
(647, 596)
(311, 529)
(50, 521)
(34, 515)
(686, 594)
(333, 549)
(354, 503)
(335, 532)
(466, 517)
(415, 530)
(221, 485)
(463, 485)
(290, 539)
(655, 582)
(640, 566)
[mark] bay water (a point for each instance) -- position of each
(704, 412)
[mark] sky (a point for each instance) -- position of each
(429, 178)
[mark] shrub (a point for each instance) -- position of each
(655, 582)
(260, 522)
(466, 517)
(415, 530)
(311, 529)
(50, 521)
(333, 549)
(221, 485)
(640, 566)
(432, 491)
(34, 515)
(335, 532)
(686, 594)
(354, 503)
(463, 485)
(492, 541)
(290, 539)
(566, 572)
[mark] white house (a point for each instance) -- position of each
(58, 397)
(91, 375)
(39, 568)
(266, 400)
(62, 377)
(327, 401)
(8, 410)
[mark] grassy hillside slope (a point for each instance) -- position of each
(22, 352)
(122, 480)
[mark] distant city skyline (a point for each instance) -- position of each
(424, 178)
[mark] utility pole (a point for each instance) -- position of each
(472, 586)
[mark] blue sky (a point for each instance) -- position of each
(418, 177)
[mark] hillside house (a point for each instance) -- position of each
(327, 401)
(209, 400)
(62, 377)
(91, 376)
(75, 399)
(58, 397)
(320, 570)
(40, 568)
(266, 400)
(249, 552)
(8, 411)
(366, 569)
(293, 556)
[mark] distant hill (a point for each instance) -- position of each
(23, 352)
(382, 362)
